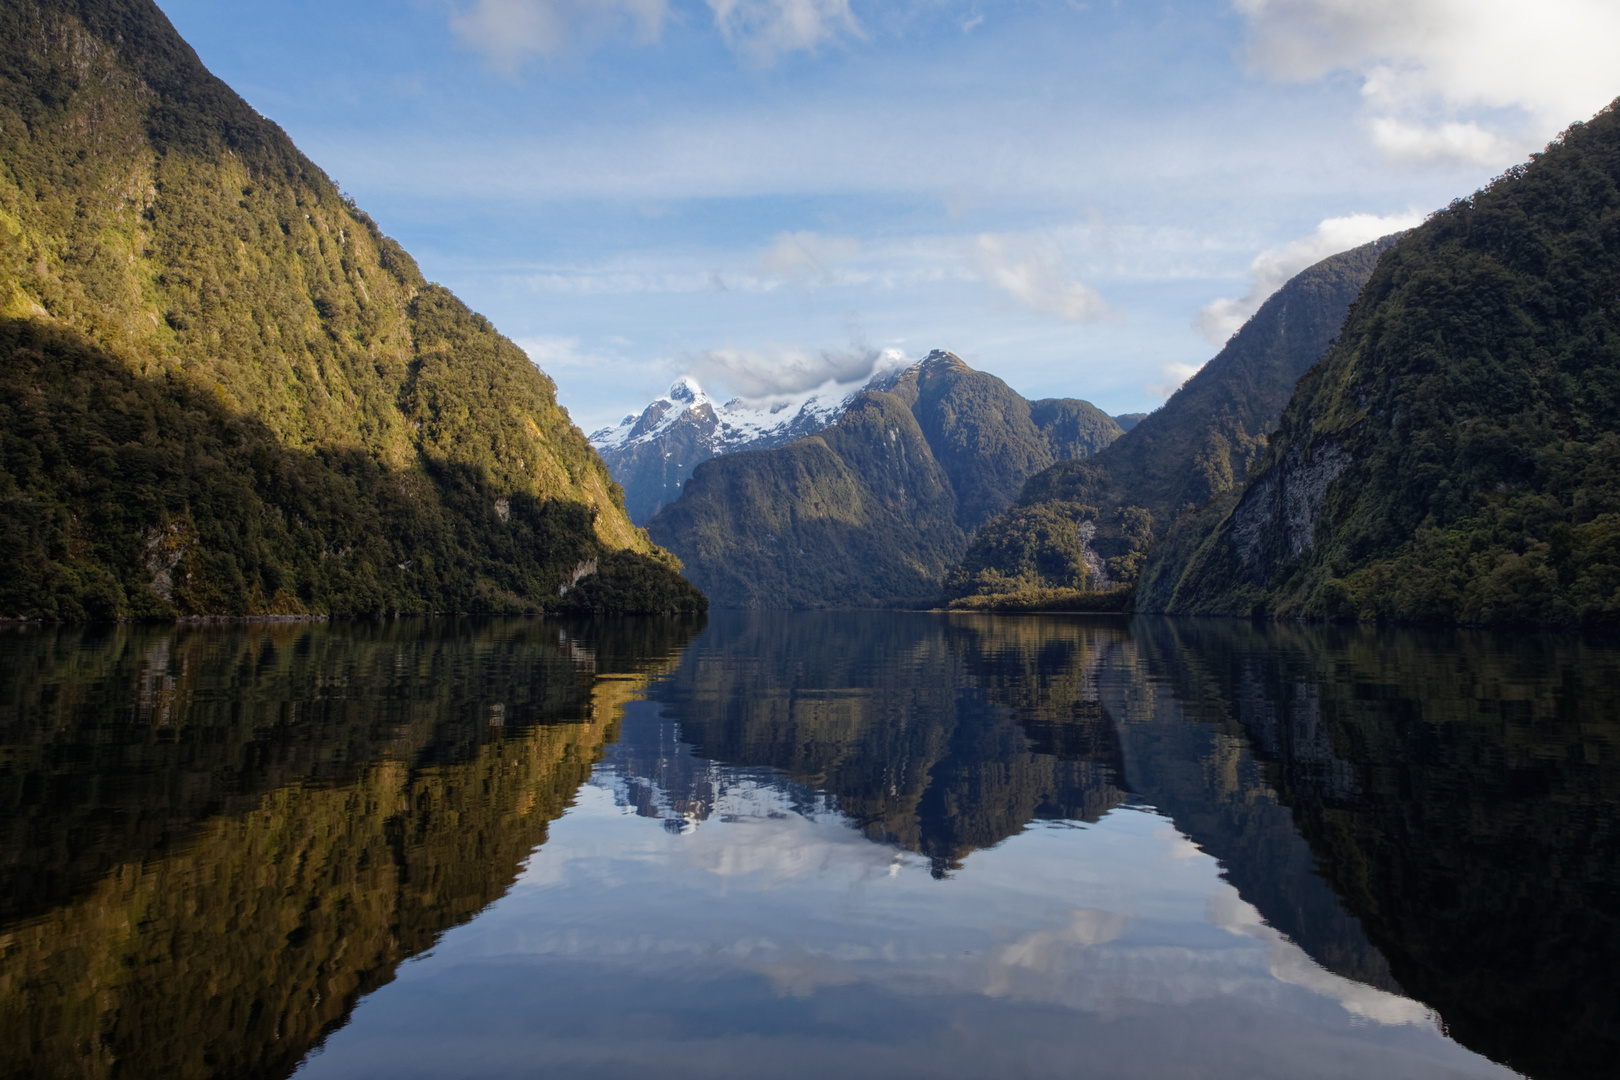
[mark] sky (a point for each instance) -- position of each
(1085, 199)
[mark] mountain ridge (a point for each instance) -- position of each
(651, 454)
(1453, 458)
(1085, 525)
(227, 392)
(873, 509)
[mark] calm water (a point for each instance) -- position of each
(844, 844)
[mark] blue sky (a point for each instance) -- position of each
(1084, 199)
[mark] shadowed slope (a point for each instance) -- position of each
(183, 287)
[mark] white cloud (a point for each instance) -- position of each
(1220, 319)
(509, 31)
(1424, 63)
(1032, 274)
(557, 353)
(1174, 375)
(1468, 142)
(760, 373)
(806, 256)
(761, 30)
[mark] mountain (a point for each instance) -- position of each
(1126, 421)
(223, 391)
(1085, 524)
(652, 454)
(1455, 456)
(872, 510)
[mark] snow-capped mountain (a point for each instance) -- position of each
(652, 454)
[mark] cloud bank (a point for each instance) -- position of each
(761, 30)
(761, 373)
(1032, 274)
(1220, 319)
(1425, 63)
(511, 31)
(806, 256)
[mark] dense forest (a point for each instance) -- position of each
(1080, 530)
(873, 510)
(224, 391)
(1455, 456)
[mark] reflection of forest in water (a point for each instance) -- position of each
(1430, 813)
(941, 736)
(1460, 790)
(214, 841)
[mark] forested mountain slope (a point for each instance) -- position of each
(1456, 455)
(873, 509)
(224, 391)
(1084, 524)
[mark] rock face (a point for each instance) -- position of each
(1199, 447)
(1455, 457)
(223, 391)
(872, 510)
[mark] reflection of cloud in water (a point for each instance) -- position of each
(1288, 963)
(778, 848)
(1041, 950)
(805, 901)
(774, 939)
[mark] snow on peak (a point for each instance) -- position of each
(687, 391)
(767, 420)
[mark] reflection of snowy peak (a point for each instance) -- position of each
(652, 455)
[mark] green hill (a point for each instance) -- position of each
(872, 510)
(224, 391)
(1456, 455)
(1084, 525)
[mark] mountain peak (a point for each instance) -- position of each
(942, 358)
(687, 391)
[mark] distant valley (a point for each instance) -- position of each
(653, 453)
(225, 392)
(874, 508)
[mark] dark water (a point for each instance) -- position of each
(844, 844)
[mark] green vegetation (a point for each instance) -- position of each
(1456, 456)
(1019, 598)
(224, 391)
(1197, 448)
(872, 511)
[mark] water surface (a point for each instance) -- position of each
(869, 844)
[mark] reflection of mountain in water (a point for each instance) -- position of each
(211, 843)
(1187, 755)
(884, 713)
(1461, 792)
(258, 825)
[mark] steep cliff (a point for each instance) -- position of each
(1085, 524)
(1456, 455)
(224, 391)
